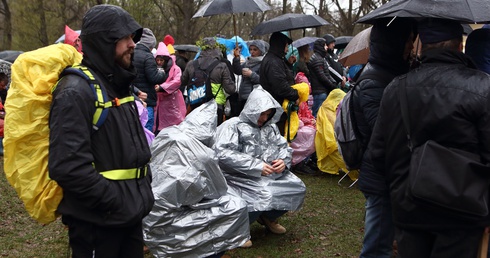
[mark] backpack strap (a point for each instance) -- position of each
(101, 98)
(208, 79)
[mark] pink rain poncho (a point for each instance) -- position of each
(170, 109)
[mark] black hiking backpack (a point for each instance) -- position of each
(199, 89)
(347, 135)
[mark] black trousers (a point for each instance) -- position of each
(438, 243)
(88, 240)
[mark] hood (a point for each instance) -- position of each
(477, 48)
(278, 42)
(292, 51)
(102, 26)
(201, 123)
(259, 101)
(71, 36)
(319, 47)
(162, 50)
(387, 44)
(259, 44)
(148, 39)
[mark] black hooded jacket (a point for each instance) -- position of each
(320, 79)
(387, 45)
(449, 103)
(275, 75)
(77, 153)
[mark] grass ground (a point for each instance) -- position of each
(330, 224)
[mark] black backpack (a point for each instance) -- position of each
(347, 135)
(199, 88)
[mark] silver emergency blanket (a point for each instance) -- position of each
(195, 214)
(242, 147)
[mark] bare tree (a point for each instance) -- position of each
(7, 25)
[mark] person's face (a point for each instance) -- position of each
(124, 51)
(330, 46)
(77, 44)
(254, 51)
(160, 61)
(286, 48)
(264, 116)
(3, 84)
(408, 47)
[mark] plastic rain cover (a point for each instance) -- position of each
(195, 214)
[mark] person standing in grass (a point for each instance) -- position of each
(104, 173)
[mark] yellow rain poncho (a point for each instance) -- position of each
(329, 159)
(292, 124)
(26, 142)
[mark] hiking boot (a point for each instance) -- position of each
(272, 226)
(247, 244)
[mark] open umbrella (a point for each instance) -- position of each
(342, 41)
(304, 41)
(468, 11)
(289, 21)
(357, 51)
(215, 7)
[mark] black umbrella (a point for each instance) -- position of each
(342, 41)
(187, 48)
(289, 21)
(10, 55)
(215, 7)
(304, 41)
(468, 11)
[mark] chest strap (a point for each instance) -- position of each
(125, 174)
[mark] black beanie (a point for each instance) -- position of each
(438, 30)
(329, 38)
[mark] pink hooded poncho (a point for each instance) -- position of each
(170, 109)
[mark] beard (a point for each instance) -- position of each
(125, 59)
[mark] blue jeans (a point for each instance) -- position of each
(317, 102)
(379, 231)
(151, 119)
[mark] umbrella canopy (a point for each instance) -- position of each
(304, 41)
(468, 11)
(10, 55)
(357, 51)
(289, 21)
(216, 7)
(187, 48)
(342, 41)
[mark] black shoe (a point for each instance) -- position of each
(301, 168)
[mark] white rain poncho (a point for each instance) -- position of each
(195, 214)
(242, 147)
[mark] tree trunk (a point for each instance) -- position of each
(7, 26)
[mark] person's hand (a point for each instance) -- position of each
(157, 88)
(236, 52)
(142, 95)
(343, 81)
(246, 72)
(292, 59)
(297, 102)
(267, 169)
(278, 165)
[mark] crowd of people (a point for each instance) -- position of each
(197, 151)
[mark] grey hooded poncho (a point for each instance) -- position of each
(242, 148)
(195, 214)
